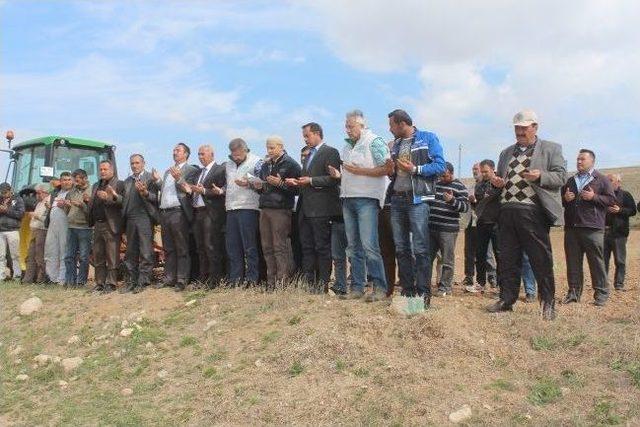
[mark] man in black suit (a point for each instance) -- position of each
(176, 213)
(207, 197)
(318, 204)
(140, 214)
(105, 215)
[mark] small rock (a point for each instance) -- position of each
(209, 325)
(56, 359)
(258, 363)
(71, 363)
(565, 390)
(149, 345)
(73, 339)
(162, 374)
(126, 332)
(487, 407)
(30, 306)
(461, 414)
(124, 323)
(22, 377)
(17, 361)
(42, 359)
(63, 384)
(16, 350)
(126, 392)
(189, 303)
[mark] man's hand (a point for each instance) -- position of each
(291, 182)
(102, 195)
(155, 175)
(448, 196)
(406, 165)
(175, 172)
(334, 172)
(186, 187)
(472, 198)
(86, 197)
(498, 181)
(531, 175)
(216, 190)
(569, 196)
(274, 180)
(198, 188)
(142, 188)
(613, 209)
(587, 194)
(389, 166)
(76, 203)
(304, 181)
(111, 192)
(256, 185)
(244, 182)
(47, 204)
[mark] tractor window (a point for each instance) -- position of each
(22, 169)
(37, 161)
(67, 158)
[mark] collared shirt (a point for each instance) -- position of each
(169, 197)
(312, 153)
(198, 201)
(583, 178)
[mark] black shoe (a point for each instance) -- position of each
(492, 281)
(128, 288)
(498, 307)
(530, 298)
(600, 300)
(179, 287)
(427, 302)
(620, 288)
(549, 310)
(109, 288)
(97, 289)
(161, 285)
(338, 292)
(137, 289)
(570, 297)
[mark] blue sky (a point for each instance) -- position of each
(145, 75)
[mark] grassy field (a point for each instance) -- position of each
(244, 357)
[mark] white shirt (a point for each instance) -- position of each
(198, 201)
(169, 196)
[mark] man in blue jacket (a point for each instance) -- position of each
(418, 162)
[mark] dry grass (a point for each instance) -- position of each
(293, 358)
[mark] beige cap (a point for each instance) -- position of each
(525, 118)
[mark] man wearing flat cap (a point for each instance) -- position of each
(530, 174)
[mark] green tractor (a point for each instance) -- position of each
(41, 159)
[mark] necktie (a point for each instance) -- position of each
(312, 151)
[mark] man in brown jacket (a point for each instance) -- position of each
(106, 217)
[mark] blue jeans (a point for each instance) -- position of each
(410, 225)
(78, 247)
(527, 276)
(242, 245)
(361, 225)
(339, 255)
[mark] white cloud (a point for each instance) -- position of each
(573, 62)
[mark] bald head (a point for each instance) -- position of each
(205, 154)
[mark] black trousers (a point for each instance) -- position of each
(524, 229)
(315, 239)
(470, 249)
(617, 246)
(175, 242)
(485, 233)
(208, 230)
(387, 247)
(578, 242)
(139, 257)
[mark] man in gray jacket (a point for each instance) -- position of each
(530, 174)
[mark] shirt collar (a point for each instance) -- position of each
(587, 173)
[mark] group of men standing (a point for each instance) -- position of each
(224, 219)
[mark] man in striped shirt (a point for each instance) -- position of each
(444, 217)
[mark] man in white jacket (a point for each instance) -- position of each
(243, 213)
(55, 245)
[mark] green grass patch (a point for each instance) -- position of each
(361, 372)
(542, 343)
(545, 391)
(271, 336)
(501, 385)
(296, 369)
(188, 341)
(295, 320)
(604, 414)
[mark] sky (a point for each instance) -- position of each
(144, 75)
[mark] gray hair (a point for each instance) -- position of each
(357, 116)
(41, 187)
(237, 143)
(133, 156)
(276, 139)
(207, 147)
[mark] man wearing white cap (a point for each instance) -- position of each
(530, 174)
